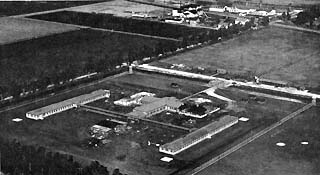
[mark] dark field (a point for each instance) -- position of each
(108, 21)
(8, 8)
(263, 157)
(48, 60)
(160, 82)
(272, 52)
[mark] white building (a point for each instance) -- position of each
(41, 113)
(198, 136)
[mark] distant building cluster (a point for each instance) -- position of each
(153, 105)
(41, 113)
(199, 135)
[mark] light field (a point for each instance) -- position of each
(273, 53)
(120, 8)
(18, 29)
(264, 157)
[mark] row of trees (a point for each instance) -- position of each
(308, 16)
(18, 159)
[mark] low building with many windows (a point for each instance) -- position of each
(197, 136)
(41, 113)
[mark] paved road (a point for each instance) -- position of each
(250, 139)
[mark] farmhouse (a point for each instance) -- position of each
(46, 111)
(153, 105)
(197, 136)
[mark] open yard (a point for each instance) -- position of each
(272, 52)
(264, 157)
(160, 82)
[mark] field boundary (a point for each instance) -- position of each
(106, 30)
(250, 139)
(295, 28)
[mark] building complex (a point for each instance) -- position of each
(197, 136)
(153, 105)
(41, 113)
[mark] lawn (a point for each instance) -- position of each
(263, 157)
(161, 82)
(272, 52)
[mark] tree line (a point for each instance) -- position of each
(18, 159)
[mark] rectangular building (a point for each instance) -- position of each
(41, 113)
(197, 136)
(153, 105)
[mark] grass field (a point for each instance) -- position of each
(18, 29)
(273, 53)
(8, 8)
(160, 82)
(120, 8)
(285, 2)
(263, 157)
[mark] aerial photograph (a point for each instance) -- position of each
(160, 87)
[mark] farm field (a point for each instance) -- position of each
(8, 8)
(133, 25)
(272, 52)
(285, 2)
(55, 58)
(120, 8)
(264, 157)
(19, 29)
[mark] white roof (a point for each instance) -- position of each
(166, 159)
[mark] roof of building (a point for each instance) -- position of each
(106, 129)
(189, 138)
(165, 101)
(74, 100)
(148, 99)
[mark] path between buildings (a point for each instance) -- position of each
(250, 139)
(211, 92)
